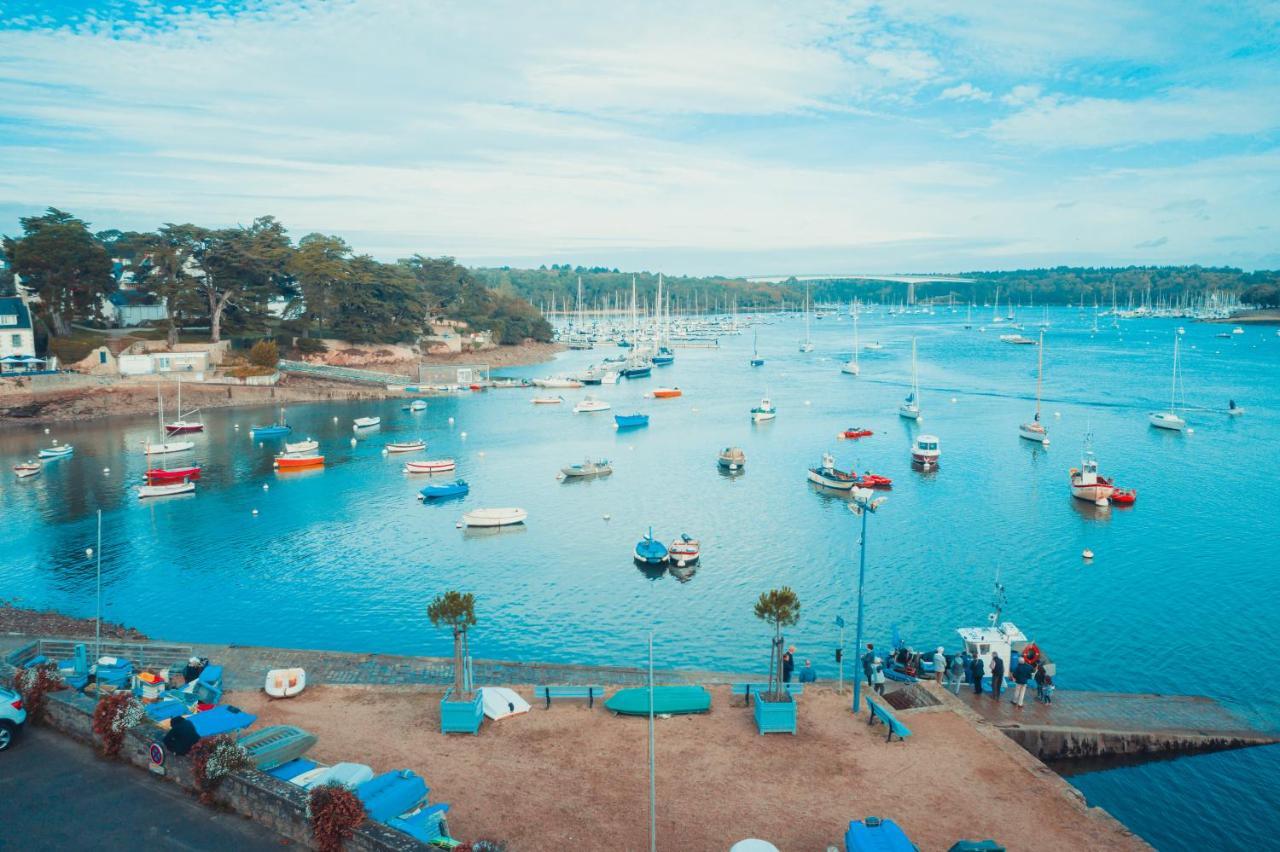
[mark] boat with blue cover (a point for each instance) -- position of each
(272, 430)
(630, 421)
(650, 551)
(276, 745)
(876, 835)
(392, 794)
(457, 488)
(57, 452)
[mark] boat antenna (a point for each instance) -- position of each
(997, 601)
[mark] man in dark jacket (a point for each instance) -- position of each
(867, 659)
(975, 674)
(1022, 673)
(997, 675)
(788, 663)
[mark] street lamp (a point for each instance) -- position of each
(863, 505)
(97, 622)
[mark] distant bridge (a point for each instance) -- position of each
(845, 276)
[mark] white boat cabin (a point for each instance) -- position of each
(1004, 639)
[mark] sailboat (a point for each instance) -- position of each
(756, 360)
(807, 344)
(910, 407)
(164, 446)
(639, 364)
(665, 354)
(968, 316)
(850, 367)
(182, 424)
(995, 309)
(1170, 419)
(1035, 431)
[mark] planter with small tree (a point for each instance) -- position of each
(775, 710)
(462, 708)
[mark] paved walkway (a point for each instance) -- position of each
(55, 794)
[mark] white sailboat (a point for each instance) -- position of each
(995, 309)
(1035, 431)
(851, 367)
(910, 408)
(1170, 419)
(807, 344)
(182, 424)
(164, 446)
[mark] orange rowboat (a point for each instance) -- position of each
(667, 393)
(298, 462)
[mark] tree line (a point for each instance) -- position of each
(226, 278)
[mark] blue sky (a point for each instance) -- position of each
(732, 137)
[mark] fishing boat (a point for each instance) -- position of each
(630, 421)
(828, 476)
(650, 551)
(1124, 496)
(756, 360)
(162, 475)
(855, 432)
(457, 488)
(1003, 638)
(27, 468)
(494, 517)
(873, 480)
(557, 382)
(298, 461)
(547, 400)
(406, 446)
(1170, 419)
(851, 367)
(430, 466)
(184, 487)
(1086, 483)
(766, 410)
(684, 551)
(806, 345)
(587, 468)
(182, 424)
(732, 458)
(56, 452)
(366, 422)
(910, 408)
(590, 404)
(272, 430)
(306, 446)
(667, 393)
(1035, 431)
(925, 451)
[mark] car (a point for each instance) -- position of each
(12, 716)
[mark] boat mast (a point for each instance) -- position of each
(855, 334)
(1173, 385)
(806, 311)
(1039, 376)
(915, 383)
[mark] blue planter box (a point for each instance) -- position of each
(461, 717)
(775, 717)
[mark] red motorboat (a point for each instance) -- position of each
(162, 475)
(1124, 496)
(856, 432)
(873, 480)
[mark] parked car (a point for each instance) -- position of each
(12, 716)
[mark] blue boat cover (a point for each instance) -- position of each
(425, 825)
(877, 835)
(292, 769)
(391, 794)
(166, 708)
(221, 720)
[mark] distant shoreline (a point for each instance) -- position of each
(1261, 316)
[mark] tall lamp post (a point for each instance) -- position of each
(97, 621)
(863, 505)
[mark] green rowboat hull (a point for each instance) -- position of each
(668, 700)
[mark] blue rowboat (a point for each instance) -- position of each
(57, 452)
(439, 492)
(275, 430)
(757, 362)
(650, 551)
(630, 421)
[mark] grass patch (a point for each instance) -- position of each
(75, 346)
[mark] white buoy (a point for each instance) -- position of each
(481, 453)
(607, 517)
(255, 511)
(806, 402)
(458, 525)
(559, 476)
(46, 431)
(265, 486)
(384, 451)
(1101, 501)
(1190, 431)
(106, 470)
(463, 435)
(354, 441)
(1057, 414)
(1088, 554)
(259, 443)
(55, 440)
(953, 399)
(695, 409)
(236, 426)
(450, 421)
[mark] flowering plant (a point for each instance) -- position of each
(335, 814)
(215, 759)
(33, 685)
(113, 717)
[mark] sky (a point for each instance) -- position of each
(743, 137)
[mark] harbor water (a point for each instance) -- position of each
(1182, 595)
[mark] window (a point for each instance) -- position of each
(17, 340)
(8, 319)
(102, 356)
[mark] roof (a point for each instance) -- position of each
(12, 305)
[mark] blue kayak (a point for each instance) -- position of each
(457, 488)
(630, 421)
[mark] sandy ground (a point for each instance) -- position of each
(39, 622)
(573, 778)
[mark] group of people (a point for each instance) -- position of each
(807, 673)
(1027, 669)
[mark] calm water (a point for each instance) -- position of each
(347, 558)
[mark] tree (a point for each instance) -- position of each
(320, 266)
(457, 611)
(161, 264)
(242, 266)
(779, 608)
(66, 266)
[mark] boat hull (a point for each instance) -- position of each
(924, 459)
(1028, 432)
(298, 462)
(170, 447)
(494, 517)
(1167, 421)
(407, 448)
(818, 477)
(145, 491)
(440, 466)
(164, 475)
(181, 428)
(908, 413)
(269, 431)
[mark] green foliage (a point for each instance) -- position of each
(265, 353)
(779, 608)
(457, 611)
(1262, 295)
(67, 267)
(310, 346)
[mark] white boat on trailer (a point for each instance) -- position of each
(494, 517)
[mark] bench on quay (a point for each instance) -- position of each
(589, 693)
(749, 689)
(882, 714)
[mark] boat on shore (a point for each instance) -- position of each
(732, 458)
(925, 451)
(1087, 484)
(430, 466)
(56, 452)
(590, 405)
(684, 551)
(630, 421)
(306, 446)
(162, 475)
(828, 475)
(766, 410)
(406, 446)
(649, 551)
(444, 490)
(298, 461)
(587, 468)
(494, 517)
(184, 487)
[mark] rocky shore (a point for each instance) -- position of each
(47, 622)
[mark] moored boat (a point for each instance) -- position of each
(406, 446)
(441, 491)
(925, 451)
(828, 475)
(587, 468)
(366, 422)
(430, 466)
(732, 458)
(184, 487)
(910, 408)
(650, 551)
(589, 405)
(161, 475)
(1124, 496)
(167, 447)
(630, 421)
(306, 446)
(298, 461)
(854, 432)
(272, 430)
(56, 452)
(418, 405)
(557, 382)
(684, 551)
(28, 468)
(1035, 431)
(1087, 483)
(494, 517)
(766, 410)
(1170, 419)
(547, 400)
(667, 393)
(873, 480)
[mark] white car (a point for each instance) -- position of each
(12, 716)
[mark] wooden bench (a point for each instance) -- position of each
(882, 714)
(749, 689)
(590, 693)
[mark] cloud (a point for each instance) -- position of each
(965, 92)
(1153, 243)
(1022, 94)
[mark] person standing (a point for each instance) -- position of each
(867, 659)
(976, 675)
(877, 676)
(997, 675)
(939, 665)
(1040, 676)
(1022, 673)
(788, 663)
(959, 664)
(807, 674)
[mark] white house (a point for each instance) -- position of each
(165, 363)
(17, 339)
